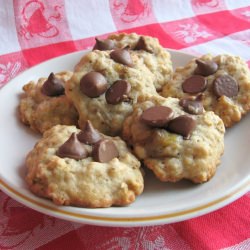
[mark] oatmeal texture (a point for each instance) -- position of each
(230, 109)
(108, 118)
(156, 58)
(83, 182)
(170, 156)
(42, 112)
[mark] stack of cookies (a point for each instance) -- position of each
(124, 106)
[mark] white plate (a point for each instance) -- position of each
(160, 203)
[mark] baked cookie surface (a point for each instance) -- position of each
(98, 173)
(224, 82)
(106, 87)
(149, 51)
(175, 144)
(41, 109)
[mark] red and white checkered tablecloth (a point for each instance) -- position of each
(32, 31)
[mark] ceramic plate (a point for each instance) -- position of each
(160, 203)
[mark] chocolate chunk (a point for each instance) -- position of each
(104, 44)
(104, 151)
(192, 106)
(194, 84)
(89, 135)
(118, 92)
(72, 148)
(205, 68)
(122, 56)
(142, 45)
(182, 125)
(53, 86)
(93, 84)
(157, 116)
(225, 85)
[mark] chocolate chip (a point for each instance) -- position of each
(93, 84)
(157, 116)
(205, 68)
(53, 86)
(122, 56)
(104, 44)
(182, 125)
(118, 92)
(192, 106)
(104, 151)
(142, 45)
(72, 148)
(194, 84)
(225, 85)
(89, 135)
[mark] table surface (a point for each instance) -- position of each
(33, 31)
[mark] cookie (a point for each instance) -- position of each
(44, 104)
(223, 81)
(174, 142)
(149, 51)
(106, 87)
(83, 168)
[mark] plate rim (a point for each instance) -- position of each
(167, 218)
(170, 217)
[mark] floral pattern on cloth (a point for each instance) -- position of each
(21, 227)
(33, 31)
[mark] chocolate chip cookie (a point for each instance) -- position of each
(83, 168)
(44, 104)
(149, 51)
(175, 138)
(222, 81)
(106, 87)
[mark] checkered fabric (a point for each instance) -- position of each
(33, 31)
